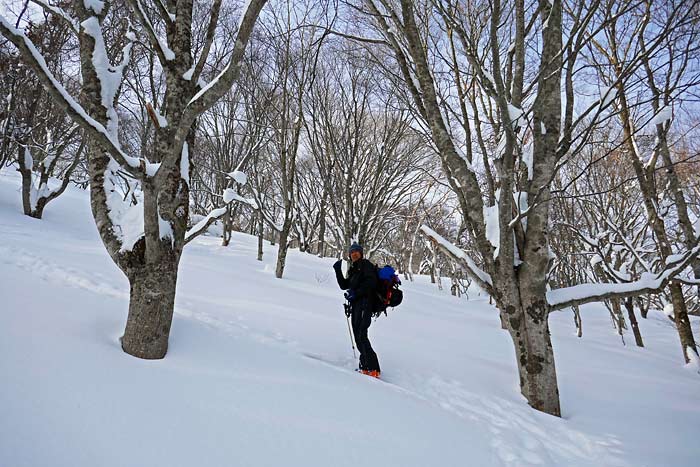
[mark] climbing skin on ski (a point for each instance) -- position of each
(372, 373)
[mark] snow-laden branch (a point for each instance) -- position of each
(461, 258)
(208, 41)
(229, 196)
(204, 224)
(165, 54)
(208, 95)
(36, 61)
(648, 283)
(60, 12)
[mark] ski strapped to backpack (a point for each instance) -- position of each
(388, 292)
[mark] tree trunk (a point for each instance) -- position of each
(644, 307)
(529, 329)
(261, 232)
(321, 251)
(282, 249)
(151, 305)
(577, 321)
(629, 304)
(26, 173)
(618, 318)
(227, 227)
(680, 316)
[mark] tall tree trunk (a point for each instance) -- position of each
(618, 317)
(261, 233)
(321, 251)
(577, 320)
(227, 227)
(650, 199)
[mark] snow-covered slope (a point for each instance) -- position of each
(259, 371)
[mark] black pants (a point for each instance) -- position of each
(361, 320)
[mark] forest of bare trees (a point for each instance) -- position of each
(545, 150)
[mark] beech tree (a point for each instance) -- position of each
(368, 157)
(148, 253)
(442, 50)
(663, 40)
(37, 134)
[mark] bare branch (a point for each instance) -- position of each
(36, 61)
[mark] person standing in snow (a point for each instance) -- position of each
(361, 285)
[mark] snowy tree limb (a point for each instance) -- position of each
(60, 12)
(61, 96)
(461, 258)
(213, 91)
(162, 50)
(165, 14)
(209, 40)
(649, 283)
(204, 224)
(215, 215)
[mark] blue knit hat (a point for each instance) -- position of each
(356, 247)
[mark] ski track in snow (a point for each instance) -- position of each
(54, 273)
(232, 327)
(532, 447)
(58, 274)
(518, 436)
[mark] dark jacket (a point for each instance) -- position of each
(362, 278)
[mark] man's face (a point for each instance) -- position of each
(355, 255)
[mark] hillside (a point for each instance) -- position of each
(259, 370)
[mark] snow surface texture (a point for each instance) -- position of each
(259, 370)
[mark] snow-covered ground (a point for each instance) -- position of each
(259, 371)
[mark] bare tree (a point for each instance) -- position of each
(149, 257)
(533, 131)
(369, 159)
(36, 132)
(663, 40)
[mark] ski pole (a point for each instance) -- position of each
(352, 343)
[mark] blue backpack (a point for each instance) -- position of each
(388, 292)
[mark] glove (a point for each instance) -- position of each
(350, 295)
(337, 264)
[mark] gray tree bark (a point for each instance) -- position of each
(151, 265)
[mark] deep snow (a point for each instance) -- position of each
(242, 384)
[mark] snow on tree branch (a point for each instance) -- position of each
(229, 197)
(463, 260)
(36, 61)
(206, 97)
(165, 54)
(648, 283)
(204, 224)
(60, 12)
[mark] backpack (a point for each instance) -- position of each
(388, 292)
